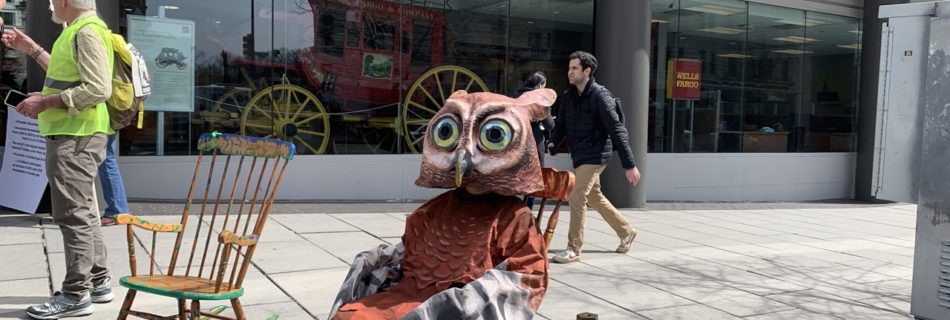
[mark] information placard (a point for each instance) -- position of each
(168, 46)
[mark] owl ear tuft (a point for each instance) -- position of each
(537, 103)
(458, 94)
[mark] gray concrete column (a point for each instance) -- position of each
(109, 12)
(622, 47)
(41, 28)
(867, 110)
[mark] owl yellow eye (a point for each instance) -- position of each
(446, 133)
(495, 135)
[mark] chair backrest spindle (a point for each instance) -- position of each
(185, 213)
(227, 214)
(214, 215)
(201, 214)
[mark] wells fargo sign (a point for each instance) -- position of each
(683, 78)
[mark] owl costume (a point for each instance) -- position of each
(473, 252)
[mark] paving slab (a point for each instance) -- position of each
(344, 245)
(315, 290)
(23, 261)
(312, 223)
(300, 255)
(17, 295)
(688, 312)
(564, 302)
(626, 293)
(379, 225)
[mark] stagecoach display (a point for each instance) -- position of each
(374, 72)
(170, 56)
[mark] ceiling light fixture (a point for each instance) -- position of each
(734, 55)
(723, 30)
(715, 9)
(803, 23)
(791, 51)
(795, 39)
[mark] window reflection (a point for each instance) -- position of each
(345, 77)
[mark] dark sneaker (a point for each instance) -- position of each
(59, 306)
(102, 291)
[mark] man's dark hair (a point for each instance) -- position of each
(587, 60)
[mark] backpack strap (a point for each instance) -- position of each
(601, 90)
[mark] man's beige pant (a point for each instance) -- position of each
(72, 164)
(587, 191)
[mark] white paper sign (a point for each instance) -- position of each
(24, 164)
(168, 47)
(141, 82)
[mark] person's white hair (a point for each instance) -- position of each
(82, 4)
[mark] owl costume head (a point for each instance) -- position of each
(484, 141)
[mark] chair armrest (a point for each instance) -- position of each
(557, 184)
(228, 237)
(129, 219)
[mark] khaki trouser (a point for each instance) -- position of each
(587, 191)
(72, 164)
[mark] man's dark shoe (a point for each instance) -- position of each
(60, 306)
(102, 291)
(107, 221)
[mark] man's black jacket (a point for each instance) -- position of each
(594, 129)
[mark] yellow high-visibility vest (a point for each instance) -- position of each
(63, 73)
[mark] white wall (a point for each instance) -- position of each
(671, 177)
(749, 176)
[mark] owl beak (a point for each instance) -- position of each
(462, 166)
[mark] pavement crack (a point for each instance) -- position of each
(49, 273)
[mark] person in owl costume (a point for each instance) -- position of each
(473, 252)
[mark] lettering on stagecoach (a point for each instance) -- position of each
(389, 8)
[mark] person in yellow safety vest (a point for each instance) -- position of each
(73, 118)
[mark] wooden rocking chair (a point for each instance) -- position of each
(557, 186)
(260, 168)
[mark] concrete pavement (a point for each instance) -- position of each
(689, 261)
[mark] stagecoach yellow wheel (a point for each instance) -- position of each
(227, 109)
(232, 101)
(290, 113)
(426, 97)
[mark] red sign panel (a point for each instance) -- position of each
(683, 79)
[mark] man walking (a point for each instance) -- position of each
(589, 118)
(73, 118)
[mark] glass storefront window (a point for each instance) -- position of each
(770, 79)
(771, 119)
(707, 41)
(830, 85)
(345, 77)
